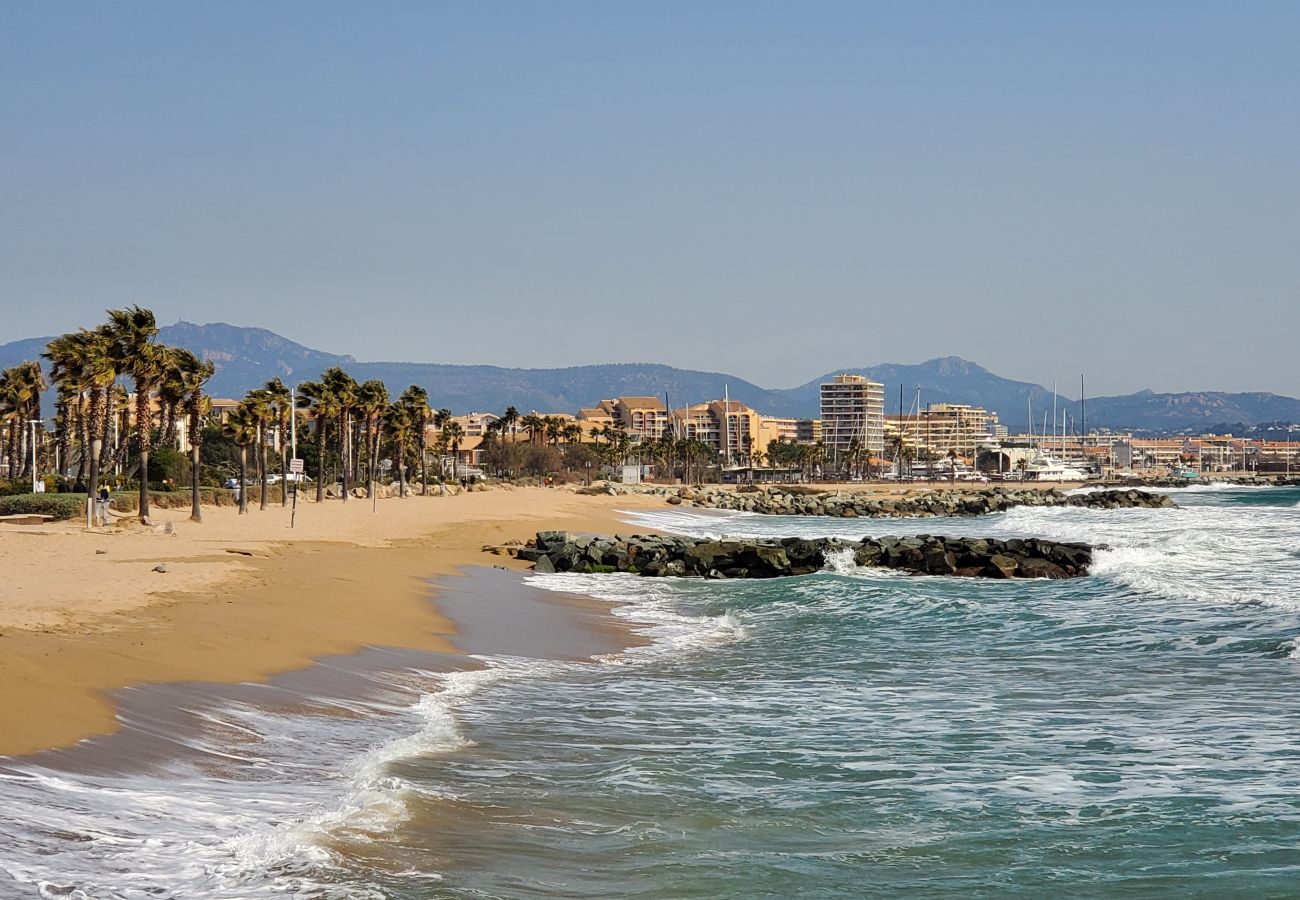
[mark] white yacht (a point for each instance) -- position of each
(1047, 468)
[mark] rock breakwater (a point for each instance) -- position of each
(655, 556)
(778, 501)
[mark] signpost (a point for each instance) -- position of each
(295, 469)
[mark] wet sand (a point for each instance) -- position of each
(77, 627)
(489, 611)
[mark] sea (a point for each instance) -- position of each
(1133, 733)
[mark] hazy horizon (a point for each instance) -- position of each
(755, 189)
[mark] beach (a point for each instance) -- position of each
(493, 732)
(85, 614)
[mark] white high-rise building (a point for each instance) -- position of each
(853, 406)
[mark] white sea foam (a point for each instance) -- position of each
(651, 607)
(840, 562)
(304, 782)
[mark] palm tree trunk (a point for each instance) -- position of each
(424, 464)
(343, 453)
(261, 465)
(320, 461)
(83, 444)
(284, 470)
(92, 458)
(196, 511)
(243, 479)
(143, 422)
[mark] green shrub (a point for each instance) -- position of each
(11, 486)
(129, 501)
(60, 506)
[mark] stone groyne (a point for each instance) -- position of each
(653, 555)
(1235, 480)
(777, 501)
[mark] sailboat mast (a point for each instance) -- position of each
(726, 425)
(1083, 419)
(1053, 415)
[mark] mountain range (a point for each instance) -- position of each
(248, 357)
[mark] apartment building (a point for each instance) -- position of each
(644, 418)
(943, 427)
(853, 406)
(728, 427)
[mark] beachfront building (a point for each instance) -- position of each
(808, 431)
(593, 417)
(1278, 457)
(643, 418)
(728, 427)
(475, 424)
(853, 415)
(1151, 454)
(787, 430)
(941, 428)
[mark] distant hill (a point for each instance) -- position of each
(1195, 411)
(248, 357)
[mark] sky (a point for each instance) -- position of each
(773, 190)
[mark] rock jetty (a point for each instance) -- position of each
(779, 501)
(923, 554)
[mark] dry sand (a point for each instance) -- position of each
(83, 614)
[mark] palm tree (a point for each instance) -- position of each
(191, 375)
(453, 433)
(372, 402)
(281, 399)
(324, 407)
(84, 358)
(344, 389)
(510, 418)
(243, 426)
(400, 424)
(20, 404)
(415, 400)
(553, 426)
(12, 418)
(171, 390)
(119, 401)
(259, 405)
(854, 455)
(66, 375)
(132, 332)
(534, 425)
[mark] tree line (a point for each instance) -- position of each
(120, 395)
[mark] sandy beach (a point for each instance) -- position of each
(84, 614)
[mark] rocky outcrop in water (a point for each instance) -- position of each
(777, 501)
(1265, 480)
(923, 554)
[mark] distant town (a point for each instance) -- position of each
(352, 432)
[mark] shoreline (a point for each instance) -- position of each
(256, 600)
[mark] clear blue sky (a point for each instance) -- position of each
(773, 190)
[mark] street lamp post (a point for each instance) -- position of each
(34, 423)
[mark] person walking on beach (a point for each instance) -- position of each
(101, 514)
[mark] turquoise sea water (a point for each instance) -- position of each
(848, 734)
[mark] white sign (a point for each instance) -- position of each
(295, 466)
